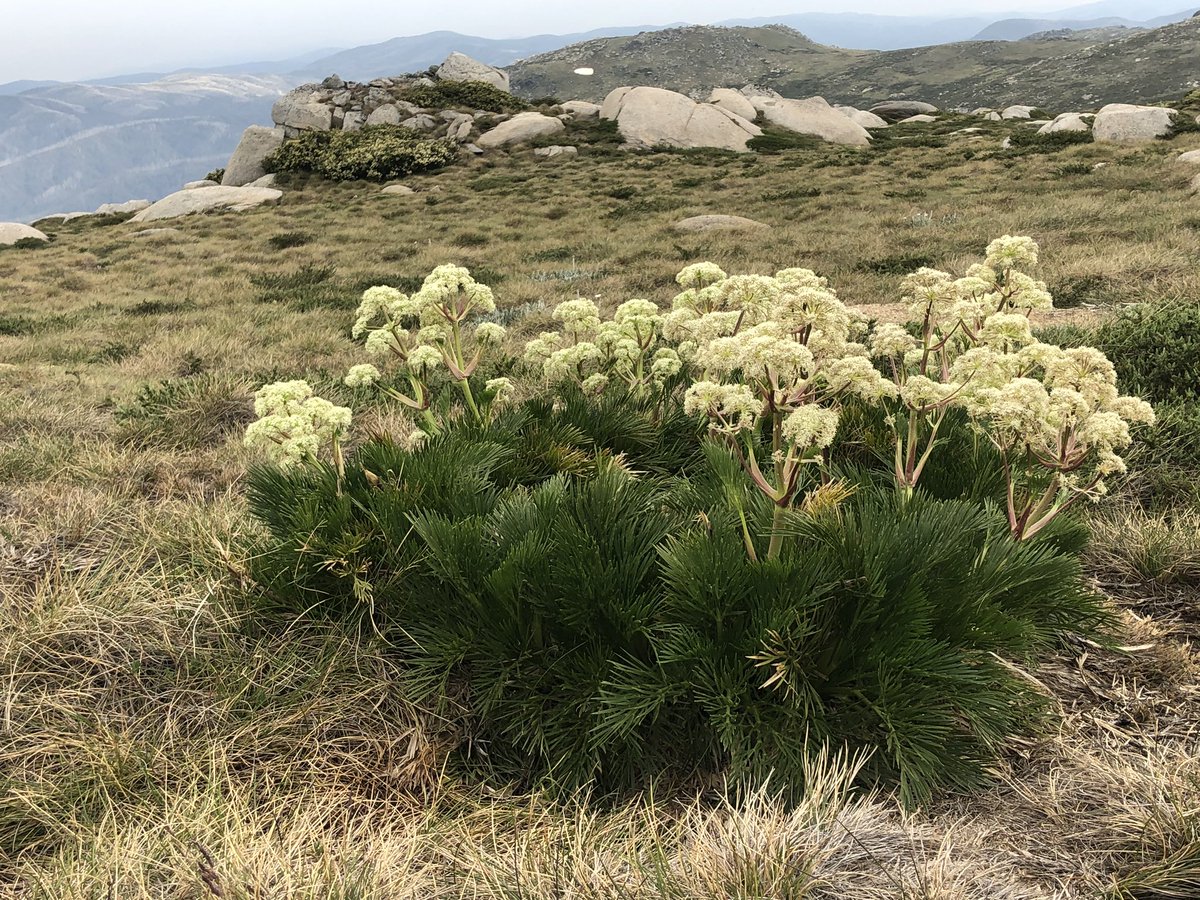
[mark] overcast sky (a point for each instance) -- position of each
(78, 39)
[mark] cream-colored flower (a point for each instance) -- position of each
(363, 375)
(811, 427)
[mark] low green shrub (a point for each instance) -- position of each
(1025, 138)
(473, 95)
(777, 140)
(1156, 349)
(376, 153)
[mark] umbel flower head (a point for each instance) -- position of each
(294, 425)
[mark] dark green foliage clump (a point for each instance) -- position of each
(287, 239)
(186, 413)
(571, 584)
(377, 153)
(1027, 139)
(474, 95)
(309, 287)
(900, 264)
(217, 175)
(777, 140)
(1156, 350)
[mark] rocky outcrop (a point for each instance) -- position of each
(460, 67)
(185, 203)
(555, 151)
(1017, 112)
(812, 116)
(246, 164)
(700, 224)
(861, 117)
(1123, 123)
(895, 110)
(11, 232)
(734, 102)
(302, 110)
(651, 117)
(520, 129)
(1066, 122)
(129, 206)
(918, 119)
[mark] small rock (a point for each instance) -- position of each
(11, 232)
(302, 111)
(353, 121)
(1191, 156)
(734, 102)
(385, 115)
(398, 189)
(581, 109)
(475, 149)
(197, 185)
(246, 163)
(1065, 122)
(719, 223)
(556, 150)
(918, 118)
(420, 122)
(1196, 184)
(156, 233)
(1017, 112)
(266, 181)
(861, 117)
(333, 83)
(460, 67)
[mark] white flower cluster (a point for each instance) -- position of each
(294, 425)
(788, 340)
(592, 352)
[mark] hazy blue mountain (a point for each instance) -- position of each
(1019, 29)
(866, 31)
(419, 52)
(71, 147)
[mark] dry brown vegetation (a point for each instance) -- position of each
(159, 739)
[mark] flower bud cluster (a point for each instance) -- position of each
(293, 425)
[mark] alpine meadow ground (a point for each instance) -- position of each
(169, 731)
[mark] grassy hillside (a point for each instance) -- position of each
(1075, 71)
(167, 735)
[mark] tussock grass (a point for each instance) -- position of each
(157, 742)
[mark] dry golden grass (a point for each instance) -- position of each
(158, 741)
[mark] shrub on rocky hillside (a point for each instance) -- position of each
(473, 95)
(378, 153)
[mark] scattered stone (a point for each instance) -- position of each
(1191, 156)
(354, 120)
(734, 102)
(1123, 123)
(519, 129)
(861, 117)
(556, 150)
(1017, 112)
(581, 109)
(1065, 122)
(719, 223)
(388, 114)
(460, 67)
(11, 232)
(982, 111)
(198, 185)
(402, 190)
(895, 110)
(1007, 144)
(66, 217)
(918, 118)
(302, 111)
(266, 181)
(420, 122)
(812, 116)
(474, 148)
(993, 116)
(184, 203)
(246, 163)
(129, 206)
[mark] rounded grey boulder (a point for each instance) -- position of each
(246, 164)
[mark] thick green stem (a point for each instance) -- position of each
(776, 543)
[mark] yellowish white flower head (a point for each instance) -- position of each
(580, 318)
(666, 364)
(857, 376)
(451, 294)
(540, 348)
(921, 392)
(1006, 332)
(363, 375)
(293, 425)
(423, 357)
(929, 294)
(490, 333)
(700, 275)
(595, 384)
(811, 427)
(382, 341)
(890, 341)
(500, 389)
(1012, 252)
(730, 407)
